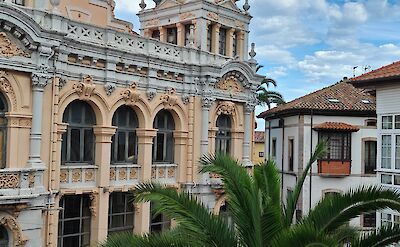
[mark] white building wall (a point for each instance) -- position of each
(320, 185)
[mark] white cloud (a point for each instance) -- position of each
(273, 54)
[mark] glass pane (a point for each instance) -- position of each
(370, 156)
(386, 152)
(118, 202)
(71, 206)
(131, 147)
(397, 153)
(160, 147)
(117, 221)
(121, 146)
(387, 122)
(86, 225)
(71, 226)
(75, 145)
(71, 241)
(64, 142)
(85, 206)
(86, 239)
(170, 148)
(397, 122)
(123, 117)
(386, 179)
(130, 219)
(76, 113)
(89, 115)
(89, 145)
(396, 180)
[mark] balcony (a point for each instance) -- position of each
(334, 168)
(19, 184)
(76, 176)
(124, 175)
(164, 173)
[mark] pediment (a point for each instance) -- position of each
(230, 4)
(10, 47)
(169, 3)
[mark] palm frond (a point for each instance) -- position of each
(193, 218)
(241, 194)
(167, 239)
(320, 150)
(346, 233)
(381, 237)
(335, 210)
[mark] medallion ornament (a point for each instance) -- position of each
(85, 89)
(131, 95)
(169, 99)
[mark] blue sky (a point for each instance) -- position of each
(308, 44)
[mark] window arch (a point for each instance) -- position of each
(163, 144)
(223, 140)
(124, 142)
(4, 238)
(3, 130)
(78, 141)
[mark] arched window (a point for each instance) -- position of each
(223, 138)
(124, 144)
(4, 240)
(225, 214)
(163, 144)
(3, 131)
(78, 141)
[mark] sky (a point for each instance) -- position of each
(305, 45)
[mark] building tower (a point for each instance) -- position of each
(218, 26)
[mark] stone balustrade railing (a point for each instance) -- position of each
(78, 176)
(124, 175)
(20, 183)
(164, 173)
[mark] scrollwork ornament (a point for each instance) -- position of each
(226, 108)
(151, 93)
(207, 102)
(109, 88)
(85, 89)
(169, 99)
(131, 95)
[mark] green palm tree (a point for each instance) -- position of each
(260, 218)
(264, 95)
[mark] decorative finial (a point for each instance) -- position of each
(142, 5)
(252, 53)
(246, 6)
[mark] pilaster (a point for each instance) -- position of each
(248, 110)
(181, 141)
(180, 28)
(229, 42)
(215, 38)
(163, 34)
(145, 146)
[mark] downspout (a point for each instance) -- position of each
(282, 121)
(311, 152)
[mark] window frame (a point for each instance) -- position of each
(273, 147)
(370, 166)
(371, 222)
(172, 32)
(222, 41)
(126, 213)
(82, 129)
(164, 132)
(164, 222)
(223, 138)
(345, 145)
(84, 199)
(128, 130)
(291, 154)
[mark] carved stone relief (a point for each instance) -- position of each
(10, 223)
(9, 49)
(85, 89)
(226, 107)
(131, 95)
(230, 84)
(169, 99)
(9, 181)
(5, 87)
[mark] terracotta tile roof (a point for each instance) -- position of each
(336, 126)
(338, 98)
(383, 73)
(259, 136)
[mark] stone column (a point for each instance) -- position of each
(145, 155)
(99, 200)
(181, 139)
(39, 82)
(215, 38)
(248, 110)
(163, 34)
(241, 44)
(180, 29)
(229, 42)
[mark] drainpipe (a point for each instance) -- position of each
(311, 152)
(282, 121)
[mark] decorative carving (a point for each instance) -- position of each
(230, 84)
(161, 173)
(9, 49)
(61, 83)
(186, 15)
(169, 99)
(76, 175)
(9, 181)
(226, 107)
(89, 175)
(131, 95)
(31, 180)
(64, 176)
(207, 102)
(109, 88)
(112, 174)
(185, 99)
(239, 24)
(5, 86)
(93, 205)
(122, 174)
(10, 223)
(153, 173)
(41, 77)
(171, 172)
(25, 123)
(133, 174)
(151, 93)
(213, 16)
(85, 88)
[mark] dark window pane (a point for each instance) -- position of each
(89, 145)
(160, 147)
(117, 221)
(71, 226)
(132, 147)
(76, 114)
(71, 241)
(71, 207)
(170, 148)
(121, 146)
(65, 140)
(75, 152)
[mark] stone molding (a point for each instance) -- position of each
(5, 87)
(10, 223)
(9, 49)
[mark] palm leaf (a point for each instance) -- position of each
(195, 221)
(241, 194)
(381, 237)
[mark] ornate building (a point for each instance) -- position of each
(89, 108)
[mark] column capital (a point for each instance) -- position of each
(180, 134)
(207, 102)
(41, 77)
(249, 107)
(104, 133)
(146, 133)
